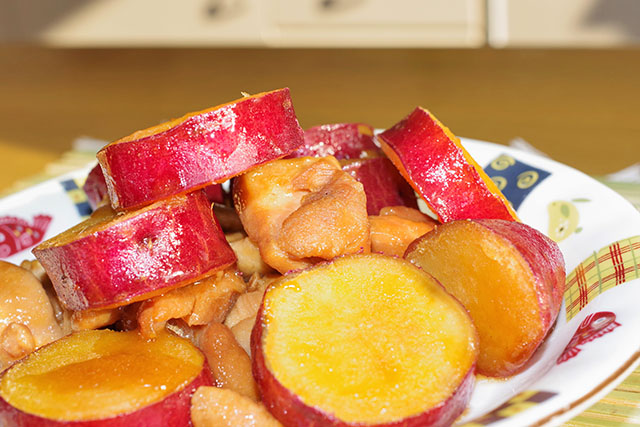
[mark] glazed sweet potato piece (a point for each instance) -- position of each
(113, 259)
(104, 377)
(439, 168)
(199, 149)
(383, 184)
(340, 140)
(95, 187)
(508, 275)
(337, 343)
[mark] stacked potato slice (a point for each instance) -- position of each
(159, 232)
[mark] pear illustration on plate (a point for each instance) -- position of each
(563, 219)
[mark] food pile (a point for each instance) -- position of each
(312, 292)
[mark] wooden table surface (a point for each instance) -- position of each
(581, 107)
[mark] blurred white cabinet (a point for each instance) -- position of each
(323, 23)
(563, 23)
(290, 23)
(158, 23)
(379, 23)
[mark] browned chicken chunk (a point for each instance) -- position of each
(249, 259)
(209, 300)
(301, 211)
(229, 362)
(27, 320)
(219, 407)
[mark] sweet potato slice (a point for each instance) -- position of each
(112, 259)
(199, 149)
(346, 342)
(340, 140)
(508, 275)
(95, 187)
(441, 171)
(104, 378)
(383, 184)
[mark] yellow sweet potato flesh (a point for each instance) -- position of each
(357, 336)
(88, 375)
(494, 282)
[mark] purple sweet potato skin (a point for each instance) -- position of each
(383, 184)
(545, 260)
(207, 147)
(435, 165)
(129, 257)
(340, 140)
(95, 187)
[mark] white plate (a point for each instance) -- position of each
(594, 223)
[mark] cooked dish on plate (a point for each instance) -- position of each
(239, 270)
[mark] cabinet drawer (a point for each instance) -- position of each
(373, 23)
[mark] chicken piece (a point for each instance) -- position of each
(246, 306)
(229, 362)
(248, 303)
(218, 407)
(27, 320)
(17, 340)
(63, 316)
(128, 317)
(200, 303)
(393, 230)
(37, 270)
(407, 213)
(301, 211)
(248, 254)
(181, 329)
(242, 332)
(259, 282)
(234, 236)
(95, 319)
